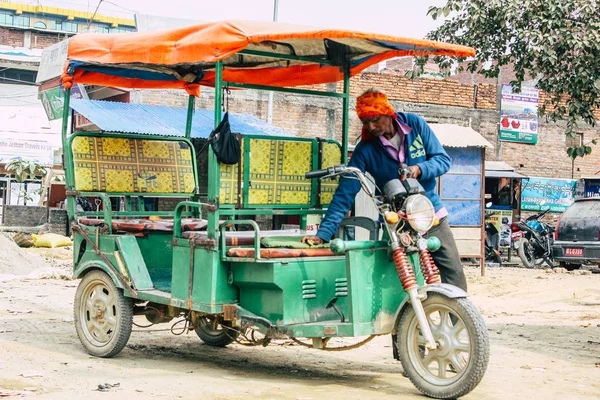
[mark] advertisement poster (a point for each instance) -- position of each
(502, 219)
(538, 194)
(592, 188)
(519, 115)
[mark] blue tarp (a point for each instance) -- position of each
(147, 119)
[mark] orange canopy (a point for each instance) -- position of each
(186, 57)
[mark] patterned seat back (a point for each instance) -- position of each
(276, 168)
(133, 165)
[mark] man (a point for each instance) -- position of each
(388, 140)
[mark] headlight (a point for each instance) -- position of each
(420, 212)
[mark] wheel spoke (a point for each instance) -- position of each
(442, 367)
(458, 363)
(458, 327)
(429, 358)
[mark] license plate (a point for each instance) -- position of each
(574, 252)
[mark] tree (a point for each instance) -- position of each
(555, 41)
(24, 170)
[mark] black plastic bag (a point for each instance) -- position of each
(224, 143)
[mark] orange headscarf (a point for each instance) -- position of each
(370, 105)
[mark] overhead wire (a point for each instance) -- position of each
(93, 15)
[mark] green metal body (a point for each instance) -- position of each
(295, 295)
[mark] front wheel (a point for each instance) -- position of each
(103, 315)
(459, 362)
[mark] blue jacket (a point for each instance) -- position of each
(422, 148)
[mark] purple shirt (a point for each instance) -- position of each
(399, 154)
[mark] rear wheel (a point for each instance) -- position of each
(459, 362)
(103, 315)
(214, 333)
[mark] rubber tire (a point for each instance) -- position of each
(215, 338)
(478, 357)
(124, 316)
(523, 254)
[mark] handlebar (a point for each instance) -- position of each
(320, 173)
(341, 169)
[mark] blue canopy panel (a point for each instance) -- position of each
(147, 119)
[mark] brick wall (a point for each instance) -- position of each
(11, 37)
(39, 40)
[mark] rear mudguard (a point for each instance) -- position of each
(446, 289)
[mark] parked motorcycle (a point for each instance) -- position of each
(492, 253)
(533, 240)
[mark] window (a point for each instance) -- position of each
(69, 26)
(121, 30)
(20, 20)
(56, 25)
(40, 25)
(6, 19)
(101, 28)
(575, 141)
(16, 76)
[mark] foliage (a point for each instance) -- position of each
(24, 170)
(555, 41)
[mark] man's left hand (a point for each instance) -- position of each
(415, 171)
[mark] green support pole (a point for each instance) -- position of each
(68, 161)
(214, 168)
(190, 116)
(345, 111)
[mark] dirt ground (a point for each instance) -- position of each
(544, 330)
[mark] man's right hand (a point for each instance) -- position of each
(312, 240)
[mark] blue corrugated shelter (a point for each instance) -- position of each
(147, 119)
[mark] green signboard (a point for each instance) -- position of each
(518, 115)
(53, 100)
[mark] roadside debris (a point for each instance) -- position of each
(105, 387)
(51, 240)
(23, 239)
(31, 374)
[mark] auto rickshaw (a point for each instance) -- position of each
(232, 285)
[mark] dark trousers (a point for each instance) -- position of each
(447, 258)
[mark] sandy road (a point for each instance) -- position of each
(544, 330)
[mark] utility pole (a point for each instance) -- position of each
(270, 102)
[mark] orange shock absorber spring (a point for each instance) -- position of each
(404, 270)
(428, 267)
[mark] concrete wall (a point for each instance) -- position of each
(21, 216)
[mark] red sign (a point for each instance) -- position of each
(84, 124)
(574, 252)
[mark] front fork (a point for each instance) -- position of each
(409, 283)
